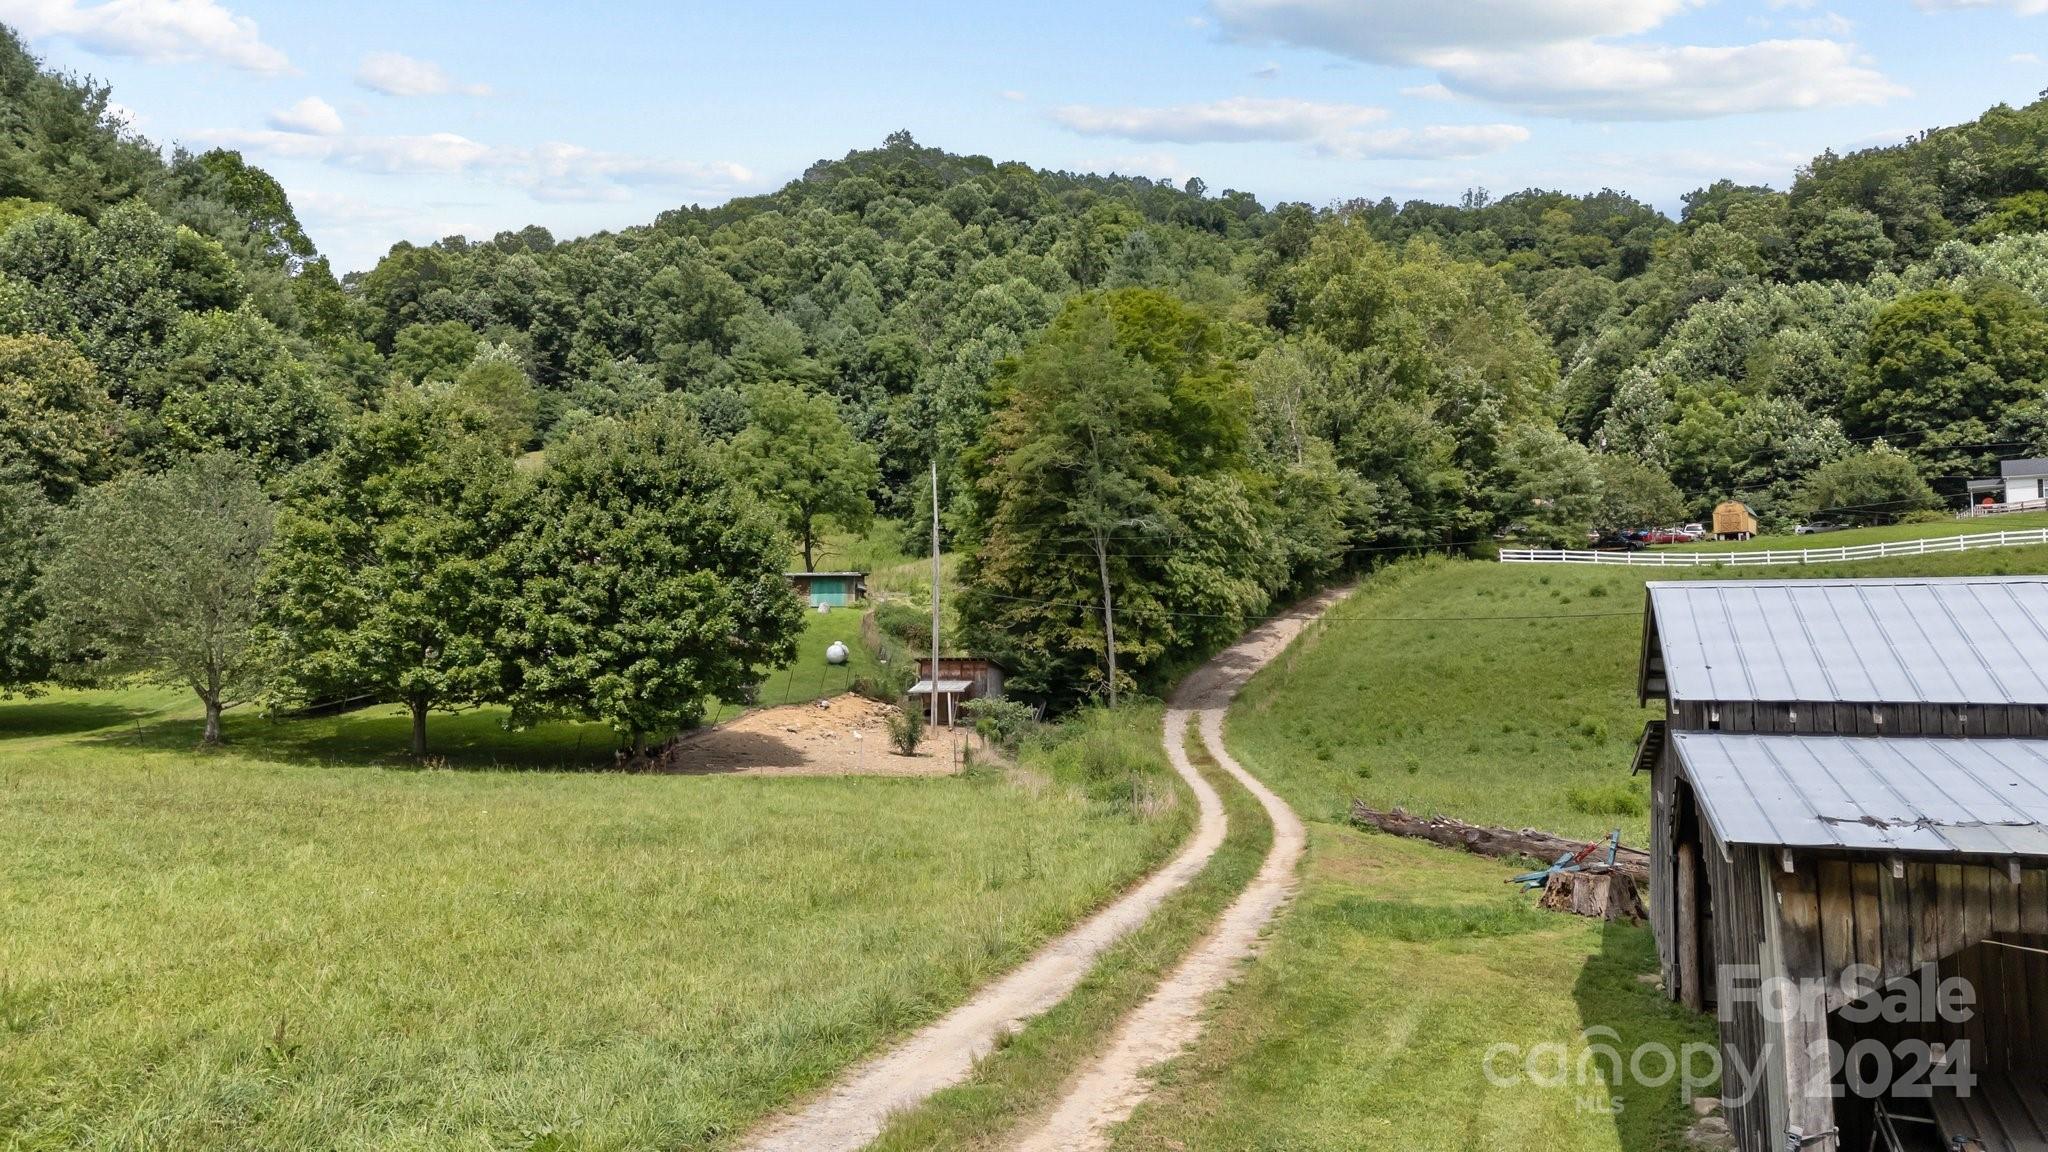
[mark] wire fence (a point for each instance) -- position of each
(1920, 547)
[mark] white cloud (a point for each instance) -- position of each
(163, 30)
(2024, 58)
(1013, 95)
(1825, 24)
(2023, 7)
(396, 74)
(1429, 92)
(549, 172)
(1241, 119)
(1559, 58)
(1434, 142)
(1331, 129)
(1660, 82)
(1401, 31)
(311, 116)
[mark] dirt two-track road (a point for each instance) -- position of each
(852, 1112)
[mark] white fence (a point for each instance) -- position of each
(1919, 547)
(1976, 510)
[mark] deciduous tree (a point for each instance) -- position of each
(387, 579)
(799, 456)
(155, 575)
(649, 581)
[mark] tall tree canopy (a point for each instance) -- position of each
(649, 582)
(387, 580)
(800, 457)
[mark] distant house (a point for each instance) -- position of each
(830, 589)
(2024, 479)
(1849, 791)
(960, 679)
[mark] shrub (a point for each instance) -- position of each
(903, 623)
(1614, 799)
(886, 684)
(1003, 723)
(906, 728)
(1880, 484)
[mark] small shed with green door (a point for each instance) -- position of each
(830, 589)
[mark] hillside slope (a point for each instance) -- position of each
(1492, 692)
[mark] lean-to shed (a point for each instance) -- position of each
(1855, 773)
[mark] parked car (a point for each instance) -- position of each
(1669, 536)
(1812, 529)
(1618, 542)
(1696, 529)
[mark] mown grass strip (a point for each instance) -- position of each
(1027, 1073)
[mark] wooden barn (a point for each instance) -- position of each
(830, 589)
(960, 679)
(1855, 772)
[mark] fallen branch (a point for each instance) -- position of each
(1495, 842)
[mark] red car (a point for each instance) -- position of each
(1668, 536)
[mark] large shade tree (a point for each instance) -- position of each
(386, 580)
(1114, 536)
(649, 581)
(155, 575)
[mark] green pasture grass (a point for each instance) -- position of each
(300, 942)
(1367, 1020)
(1496, 693)
(809, 676)
(1026, 1074)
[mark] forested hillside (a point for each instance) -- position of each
(1188, 404)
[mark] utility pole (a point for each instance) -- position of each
(1108, 611)
(934, 697)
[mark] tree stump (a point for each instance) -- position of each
(1598, 895)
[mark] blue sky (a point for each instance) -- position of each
(390, 121)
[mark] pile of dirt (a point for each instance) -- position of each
(845, 735)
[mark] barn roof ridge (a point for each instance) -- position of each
(1965, 640)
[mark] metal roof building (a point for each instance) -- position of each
(1965, 641)
(1852, 775)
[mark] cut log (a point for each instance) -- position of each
(1599, 895)
(1497, 842)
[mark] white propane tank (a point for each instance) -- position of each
(836, 653)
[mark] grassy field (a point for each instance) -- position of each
(290, 945)
(1494, 692)
(1366, 1022)
(1497, 693)
(1847, 537)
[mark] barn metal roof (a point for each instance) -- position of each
(1969, 640)
(946, 687)
(2030, 466)
(1880, 794)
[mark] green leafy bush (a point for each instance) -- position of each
(906, 728)
(1003, 723)
(1616, 799)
